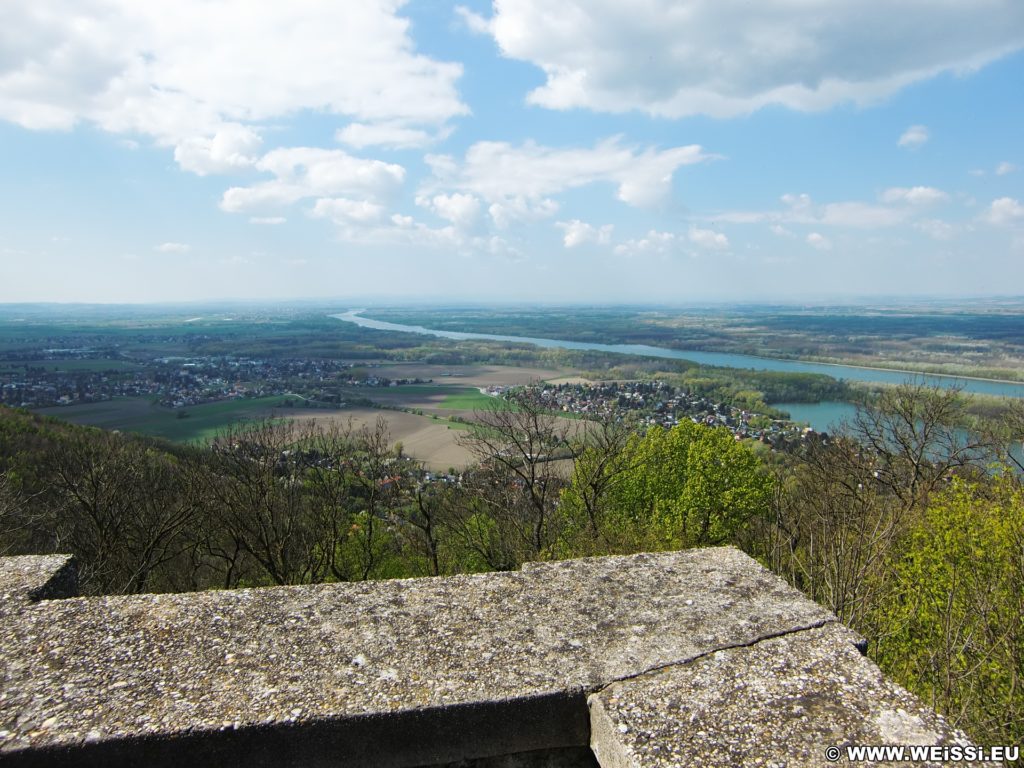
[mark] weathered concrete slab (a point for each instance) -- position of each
(780, 701)
(393, 673)
(35, 577)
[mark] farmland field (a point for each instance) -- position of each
(200, 422)
(468, 399)
(426, 418)
(432, 440)
(71, 365)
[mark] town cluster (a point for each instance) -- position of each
(656, 403)
(85, 375)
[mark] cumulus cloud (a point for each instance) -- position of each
(173, 248)
(462, 210)
(800, 209)
(232, 147)
(578, 232)
(303, 172)
(1005, 210)
(729, 57)
(342, 210)
(914, 195)
(519, 209)
(500, 172)
(402, 230)
(1004, 168)
(709, 239)
(267, 219)
(915, 136)
(203, 76)
(819, 241)
(654, 242)
(391, 135)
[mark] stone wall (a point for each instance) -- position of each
(698, 658)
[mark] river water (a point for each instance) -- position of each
(719, 359)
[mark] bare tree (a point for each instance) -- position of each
(21, 520)
(427, 518)
(517, 445)
(121, 510)
(600, 462)
(378, 483)
(257, 483)
(849, 501)
(916, 436)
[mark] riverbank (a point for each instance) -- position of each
(864, 374)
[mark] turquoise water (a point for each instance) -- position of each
(719, 359)
(823, 417)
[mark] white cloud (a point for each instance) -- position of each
(1005, 210)
(394, 135)
(267, 219)
(1004, 168)
(343, 210)
(727, 57)
(819, 241)
(473, 21)
(233, 147)
(801, 202)
(302, 172)
(499, 172)
(914, 195)
(800, 209)
(580, 232)
(861, 215)
(402, 230)
(780, 231)
(654, 242)
(519, 209)
(462, 210)
(709, 239)
(915, 136)
(173, 248)
(203, 76)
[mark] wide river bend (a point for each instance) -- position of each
(719, 359)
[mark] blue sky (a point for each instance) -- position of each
(526, 150)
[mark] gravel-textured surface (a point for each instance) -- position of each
(779, 702)
(113, 670)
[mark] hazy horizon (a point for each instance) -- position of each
(369, 303)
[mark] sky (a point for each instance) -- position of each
(602, 151)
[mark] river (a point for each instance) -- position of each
(718, 359)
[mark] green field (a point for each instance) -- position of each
(468, 398)
(201, 422)
(459, 425)
(71, 365)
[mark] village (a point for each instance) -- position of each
(77, 376)
(74, 376)
(657, 403)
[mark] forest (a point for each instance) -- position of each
(906, 524)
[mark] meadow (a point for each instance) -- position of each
(182, 425)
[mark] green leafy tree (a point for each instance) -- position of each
(688, 486)
(953, 626)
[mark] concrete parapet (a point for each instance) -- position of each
(780, 701)
(36, 577)
(651, 659)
